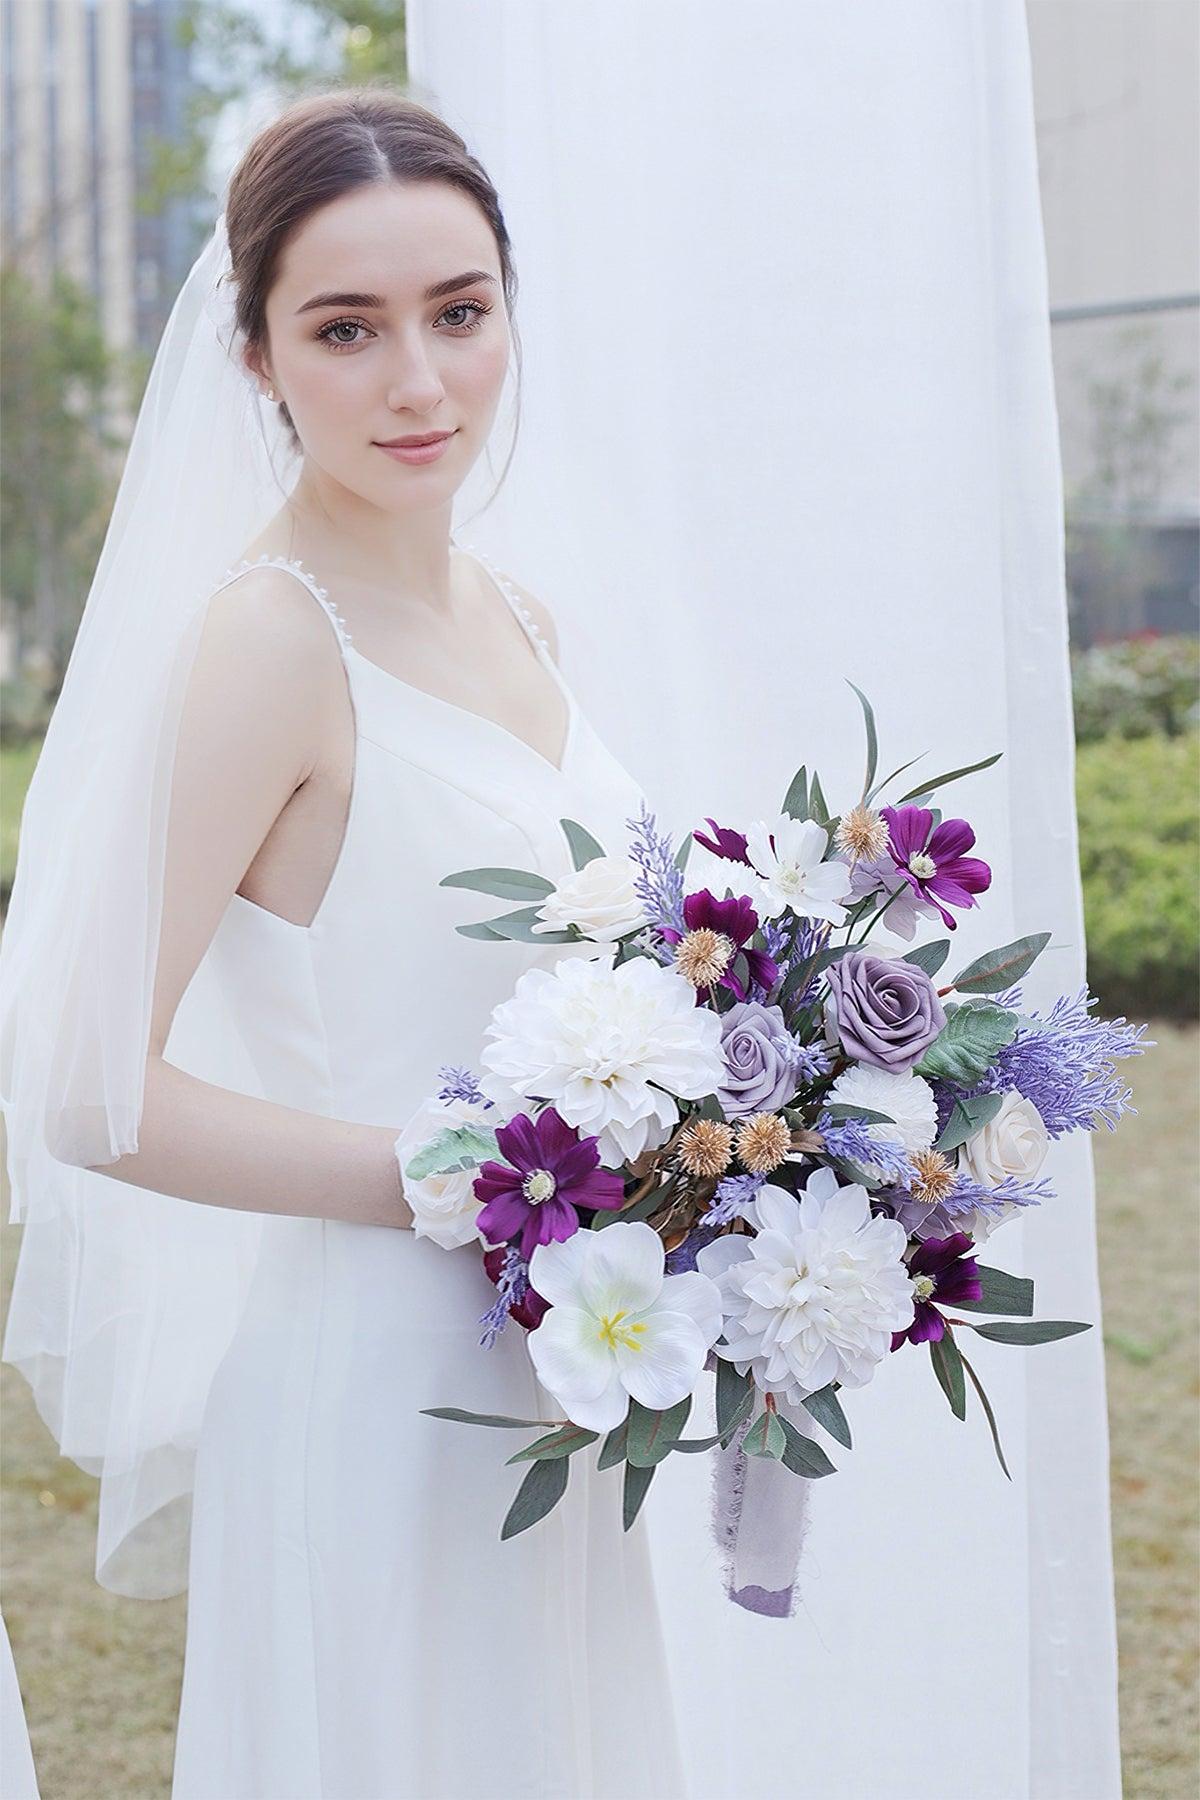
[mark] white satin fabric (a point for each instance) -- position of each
(788, 418)
(356, 1629)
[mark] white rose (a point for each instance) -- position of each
(444, 1207)
(1014, 1143)
(600, 899)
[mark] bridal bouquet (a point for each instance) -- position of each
(743, 1133)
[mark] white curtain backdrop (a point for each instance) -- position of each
(788, 418)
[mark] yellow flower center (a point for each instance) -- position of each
(923, 1286)
(538, 1185)
(613, 1332)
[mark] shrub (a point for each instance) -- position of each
(1139, 853)
(1131, 689)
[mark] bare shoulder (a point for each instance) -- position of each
(542, 616)
(269, 611)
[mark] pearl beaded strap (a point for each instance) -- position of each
(316, 589)
(511, 596)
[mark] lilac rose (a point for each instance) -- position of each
(886, 1012)
(760, 1059)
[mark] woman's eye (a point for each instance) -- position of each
(474, 306)
(340, 343)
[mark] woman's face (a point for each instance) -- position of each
(363, 352)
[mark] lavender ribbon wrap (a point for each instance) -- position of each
(760, 1517)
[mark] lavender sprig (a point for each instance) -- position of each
(851, 1140)
(461, 1084)
(512, 1284)
(658, 882)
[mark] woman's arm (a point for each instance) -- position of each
(265, 693)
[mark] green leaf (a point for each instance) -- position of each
(817, 804)
(735, 1397)
(947, 1366)
(508, 884)
(563, 1442)
(826, 1409)
(612, 1450)
(966, 1118)
(766, 1437)
(1000, 968)
(683, 852)
(637, 1484)
(542, 1489)
(480, 930)
(987, 1407)
(927, 787)
(968, 1044)
(872, 737)
(1002, 1293)
(696, 1444)
(518, 926)
(929, 957)
(880, 785)
(454, 1148)
(802, 1455)
(795, 802)
(651, 1434)
(1037, 1331)
(584, 847)
(837, 1109)
(641, 1209)
(471, 1418)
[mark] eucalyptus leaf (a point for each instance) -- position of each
(880, 785)
(837, 1109)
(637, 1484)
(518, 926)
(872, 738)
(1000, 968)
(481, 930)
(507, 884)
(968, 1044)
(826, 1409)
(542, 1489)
(471, 1418)
(929, 957)
(1002, 1293)
(651, 1434)
(735, 1396)
(926, 788)
(987, 1407)
(584, 847)
(454, 1148)
(947, 1366)
(1037, 1331)
(641, 1209)
(966, 1118)
(683, 852)
(612, 1450)
(802, 1455)
(693, 1445)
(766, 1437)
(795, 802)
(563, 1442)
(818, 806)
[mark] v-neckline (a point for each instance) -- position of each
(529, 631)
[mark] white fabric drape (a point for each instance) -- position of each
(788, 418)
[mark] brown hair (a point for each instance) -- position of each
(326, 145)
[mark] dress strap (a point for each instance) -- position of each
(310, 581)
(524, 616)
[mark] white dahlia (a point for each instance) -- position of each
(816, 1296)
(906, 1098)
(787, 856)
(611, 1048)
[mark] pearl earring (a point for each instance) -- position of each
(270, 393)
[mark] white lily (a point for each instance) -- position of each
(617, 1325)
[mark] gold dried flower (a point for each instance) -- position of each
(934, 1175)
(705, 1146)
(862, 833)
(702, 956)
(763, 1141)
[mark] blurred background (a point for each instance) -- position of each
(120, 122)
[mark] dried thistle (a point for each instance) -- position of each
(705, 1147)
(763, 1141)
(862, 833)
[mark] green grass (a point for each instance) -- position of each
(101, 1675)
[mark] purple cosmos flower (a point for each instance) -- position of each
(549, 1171)
(931, 859)
(724, 842)
(942, 1269)
(737, 920)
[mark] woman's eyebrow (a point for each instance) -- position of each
(451, 286)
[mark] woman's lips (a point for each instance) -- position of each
(416, 453)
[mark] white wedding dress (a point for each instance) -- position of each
(356, 1629)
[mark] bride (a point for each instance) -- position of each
(368, 706)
